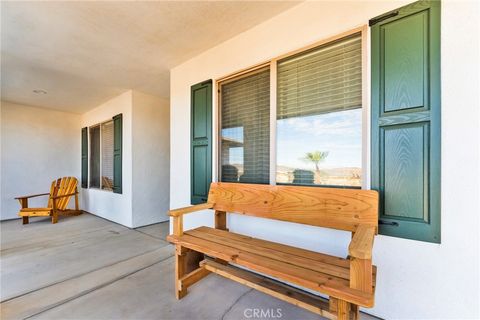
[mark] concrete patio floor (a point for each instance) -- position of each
(86, 267)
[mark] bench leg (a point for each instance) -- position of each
(355, 312)
(360, 278)
(192, 272)
(332, 304)
(343, 310)
(221, 224)
(25, 220)
(180, 266)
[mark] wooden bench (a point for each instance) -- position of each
(349, 282)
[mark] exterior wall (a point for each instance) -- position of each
(106, 204)
(37, 146)
(416, 280)
(145, 162)
(151, 159)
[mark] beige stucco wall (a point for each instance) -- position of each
(151, 159)
(416, 280)
(145, 162)
(106, 204)
(38, 145)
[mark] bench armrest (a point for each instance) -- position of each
(177, 215)
(362, 242)
(185, 210)
(32, 196)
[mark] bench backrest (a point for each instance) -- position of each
(336, 208)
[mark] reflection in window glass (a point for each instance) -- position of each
(322, 149)
(319, 100)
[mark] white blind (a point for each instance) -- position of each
(245, 135)
(107, 155)
(322, 80)
(94, 157)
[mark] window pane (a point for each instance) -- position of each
(245, 131)
(107, 156)
(319, 136)
(95, 157)
(324, 149)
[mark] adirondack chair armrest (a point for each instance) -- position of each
(190, 209)
(362, 242)
(32, 196)
(64, 195)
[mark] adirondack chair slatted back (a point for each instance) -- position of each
(342, 209)
(52, 192)
(62, 186)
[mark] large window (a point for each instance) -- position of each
(245, 130)
(101, 156)
(319, 127)
(316, 117)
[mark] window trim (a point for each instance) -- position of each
(99, 125)
(272, 65)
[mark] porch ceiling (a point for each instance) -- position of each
(84, 53)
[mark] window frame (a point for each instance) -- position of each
(99, 125)
(218, 127)
(272, 65)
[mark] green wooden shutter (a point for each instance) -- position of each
(117, 153)
(85, 157)
(406, 120)
(201, 141)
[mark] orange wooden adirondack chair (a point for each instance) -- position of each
(60, 192)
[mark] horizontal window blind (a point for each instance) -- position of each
(245, 128)
(322, 80)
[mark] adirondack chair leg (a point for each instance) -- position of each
(24, 204)
(54, 216)
(180, 270)
(76, 201)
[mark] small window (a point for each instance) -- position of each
(319, 115)
(245, 129)
(95, 157)
(101, 156)
(107, 156)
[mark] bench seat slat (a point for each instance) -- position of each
(300, 261)
(240, 254)
(283, 248)
(268, 266)
(280, 247)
